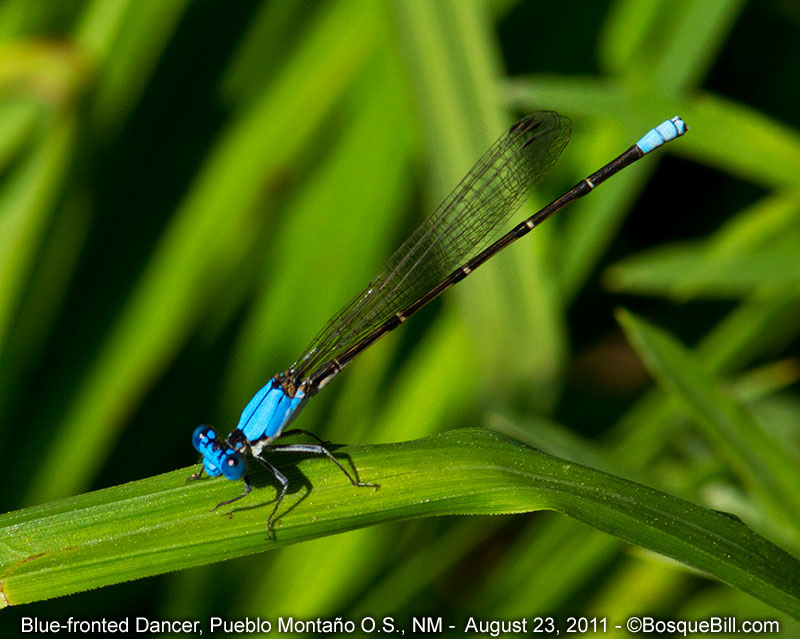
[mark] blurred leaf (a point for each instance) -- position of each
(353, 202)
(17, 123)
(685, 272)
(768, 379)
(416, 564)
(698, 32)
(126, 39)
(53, 72)
(566, 555)
(542, 568)
(725, 134)
(20, 18)
(634, 19)
(39, 306)
(755, 247)
(26, 199)
(158, 524)
(765, 467)
(272, 32)
(640, 584)
(204, 242)
(736, 138)
(758, 226)
(453, 60)
(668, 44)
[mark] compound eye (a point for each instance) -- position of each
(233, 466)
(202, 437)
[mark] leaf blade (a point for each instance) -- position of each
(159, 524)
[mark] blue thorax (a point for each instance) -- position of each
(271, 408)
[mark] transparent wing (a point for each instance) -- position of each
(462, 225)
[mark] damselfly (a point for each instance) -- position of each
(448, 246)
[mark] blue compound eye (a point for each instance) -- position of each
(233, 466)
(202, 437)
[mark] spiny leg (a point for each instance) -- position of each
(300, 431)
(247, 488)
(281, 492)
(197, 475)
(316, 449)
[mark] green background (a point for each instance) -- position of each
(191, 189)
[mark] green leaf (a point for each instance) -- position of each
(769, 470)
(26, 201)
(750, 154)
(161, 524)
(203, 244)
(684, 271)
(452, 59)
(689, 34)
(126, 40)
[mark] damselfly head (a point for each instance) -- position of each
(219, 457)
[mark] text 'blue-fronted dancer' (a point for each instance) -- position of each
(448, 246)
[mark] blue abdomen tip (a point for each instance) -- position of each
(664, 132)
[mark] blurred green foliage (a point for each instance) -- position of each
(190, 189)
